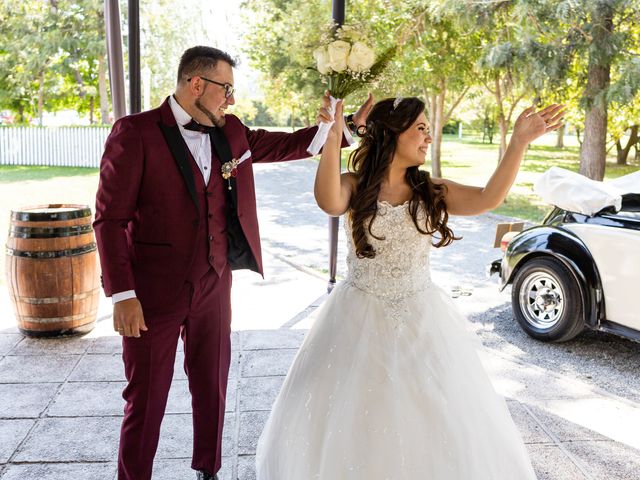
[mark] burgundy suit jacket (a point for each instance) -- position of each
(146, 207)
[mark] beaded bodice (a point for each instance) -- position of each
(401, 266)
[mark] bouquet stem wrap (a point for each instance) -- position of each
(323, 130)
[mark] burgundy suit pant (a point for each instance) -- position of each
(202, 316)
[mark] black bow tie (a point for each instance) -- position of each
(198, 127)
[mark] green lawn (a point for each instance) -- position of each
(22, 173)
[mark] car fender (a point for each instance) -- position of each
(545, 240)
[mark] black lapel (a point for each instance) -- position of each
(221, 144)
(179, 151)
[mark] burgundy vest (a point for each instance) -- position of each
(211, 239)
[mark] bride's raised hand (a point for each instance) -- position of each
(531, 125)
(332, 191)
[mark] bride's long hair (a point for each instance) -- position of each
(370, 162)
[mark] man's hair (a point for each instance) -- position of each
(197, 60)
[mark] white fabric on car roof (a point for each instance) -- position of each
(577, 193)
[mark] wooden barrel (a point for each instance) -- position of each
(51, 268)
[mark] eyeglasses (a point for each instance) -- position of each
(228, 88)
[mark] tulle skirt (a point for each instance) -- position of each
(390, 394)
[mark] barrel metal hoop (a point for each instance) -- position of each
(50, 300)
(70, 252)
(44, 216)
(44, 320)
(49, 232)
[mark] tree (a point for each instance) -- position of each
(53, 53)
(624, 121)
(439, 61)
(53, 56)
(282, 38)
(167, 29)
(280, 42)
(29, 56)
(523, 67)
(624, 98)
(85, 65)
(605, 34)
(505, 55)
(593, 153)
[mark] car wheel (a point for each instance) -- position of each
(546, 300)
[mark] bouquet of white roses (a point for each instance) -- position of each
(347, 63)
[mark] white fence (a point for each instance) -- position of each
(52, 146)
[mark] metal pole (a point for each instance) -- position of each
(338, 11)
(334, 222)
(135, 94)
(114, 56)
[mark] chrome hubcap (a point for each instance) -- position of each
(541, 300)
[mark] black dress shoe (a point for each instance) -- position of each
(200, 475)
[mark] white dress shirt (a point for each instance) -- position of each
(198, 143)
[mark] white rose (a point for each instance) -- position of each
(338, 54)
(322, 60)
(361, 57)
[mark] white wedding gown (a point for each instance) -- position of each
(387, 384)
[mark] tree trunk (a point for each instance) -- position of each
(578, 137)
(41, 99)
(436, 131)
(623, 153)
(431, 107)
(92, 103)
(593, 154)
(594, 151)
(431, 101)
(502, 123)
(82, 92)
(560, 137)
(102, 91)
(620, 157)
(502, 120)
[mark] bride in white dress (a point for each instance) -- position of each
(387, 384)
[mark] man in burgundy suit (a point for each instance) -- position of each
(170, 228)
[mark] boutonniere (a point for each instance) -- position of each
(230, 168)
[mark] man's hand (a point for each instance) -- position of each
(128, 319)
(324, 114)
(360, 117)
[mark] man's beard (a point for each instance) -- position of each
(217, 121)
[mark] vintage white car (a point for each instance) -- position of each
(581, 267)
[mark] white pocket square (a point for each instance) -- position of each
(244, 156)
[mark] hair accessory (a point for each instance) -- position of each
(397, 101)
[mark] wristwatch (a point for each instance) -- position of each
(353, 128)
